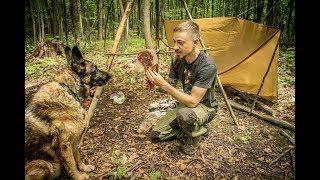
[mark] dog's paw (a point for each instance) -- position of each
(86, 168)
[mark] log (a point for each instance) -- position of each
(285, 134)
(267, 118)
(259, 104)
(282, 154)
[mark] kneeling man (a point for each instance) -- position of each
(197, 104)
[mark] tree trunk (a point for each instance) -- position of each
(101, 18)
(289, 17)
(146, 22)
(85, 16)
(139, 18)
(158, 23)
(105, 26)
(65, 21)
(79, 13)
(270, 11)
(248, 11)
(212, 8)
(237, 8)
(50, 12)
(42, 20)
(33, 24)
(124, 36)
(59, 18)
(259, 11)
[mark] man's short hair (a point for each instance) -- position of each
(188, 26)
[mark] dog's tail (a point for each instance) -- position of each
(41, 169)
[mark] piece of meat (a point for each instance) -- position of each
(148, 59)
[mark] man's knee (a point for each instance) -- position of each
(186, 119)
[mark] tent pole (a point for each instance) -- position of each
(264, 77)
(219, 82)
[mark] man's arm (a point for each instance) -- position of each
(191, 100)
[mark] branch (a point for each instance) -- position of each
(267, 118)
(90, 111)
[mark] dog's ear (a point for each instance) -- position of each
(76, 54)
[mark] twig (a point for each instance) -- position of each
(133, 167)
(285, 134)
(293, 162)
(202, 157)
(281, 155)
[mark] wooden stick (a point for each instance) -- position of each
(90, 111)
(218, 79)
(158, 51)
(98, 90)
(119, 33)
(264, 77)
(260, 105)
(285, 134)
(293, 161)
(282, 154)
(267, 118)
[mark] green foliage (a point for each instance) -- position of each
(120, 172)
(115, 155)
(287, 67)
(33, 70)
(28, 46)
(40, 67)
(244, 137)
(154, 175)
(134, 44)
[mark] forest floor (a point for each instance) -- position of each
(113, 142)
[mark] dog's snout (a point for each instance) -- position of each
(101, 78)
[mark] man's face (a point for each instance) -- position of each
(184, 44)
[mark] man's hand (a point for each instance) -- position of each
(155, 78)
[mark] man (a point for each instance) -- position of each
(198, 106)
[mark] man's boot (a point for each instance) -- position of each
(190, 146)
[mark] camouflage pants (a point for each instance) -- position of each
(183, 121)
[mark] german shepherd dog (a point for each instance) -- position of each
(55, 120)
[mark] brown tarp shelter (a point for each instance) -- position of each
(242, 51)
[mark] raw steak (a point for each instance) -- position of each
(148, 59)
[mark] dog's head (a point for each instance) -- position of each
(89, 73)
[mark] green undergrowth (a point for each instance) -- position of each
(286, 67)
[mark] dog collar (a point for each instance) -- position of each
(71, 92)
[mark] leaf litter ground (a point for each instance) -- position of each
(113, 142)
